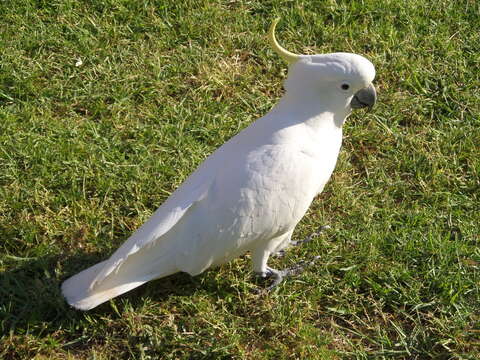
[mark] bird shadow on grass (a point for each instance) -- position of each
(30, 295)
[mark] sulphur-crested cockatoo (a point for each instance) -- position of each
(251, 192)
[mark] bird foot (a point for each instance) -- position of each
(281, 253)
(279, 275)
(311, 236)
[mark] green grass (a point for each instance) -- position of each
(88, 151)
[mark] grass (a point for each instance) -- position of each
(107, 106)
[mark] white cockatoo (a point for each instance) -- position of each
(251, 192)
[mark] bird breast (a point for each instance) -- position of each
(261, 195)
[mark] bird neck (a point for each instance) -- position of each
(310, 110)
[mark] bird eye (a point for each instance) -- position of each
(345, 86)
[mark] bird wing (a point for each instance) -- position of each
(163, 219)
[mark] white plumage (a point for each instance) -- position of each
(251, 192)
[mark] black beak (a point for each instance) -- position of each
(364, 98)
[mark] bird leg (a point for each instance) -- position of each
(260, 258)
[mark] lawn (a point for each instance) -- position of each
(107, 106)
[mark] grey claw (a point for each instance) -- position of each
(311, 236)
(279, 275)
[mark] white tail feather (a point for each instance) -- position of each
(143, 266)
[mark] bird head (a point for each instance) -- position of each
(337, 80)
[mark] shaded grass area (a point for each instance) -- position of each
(105, 107)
